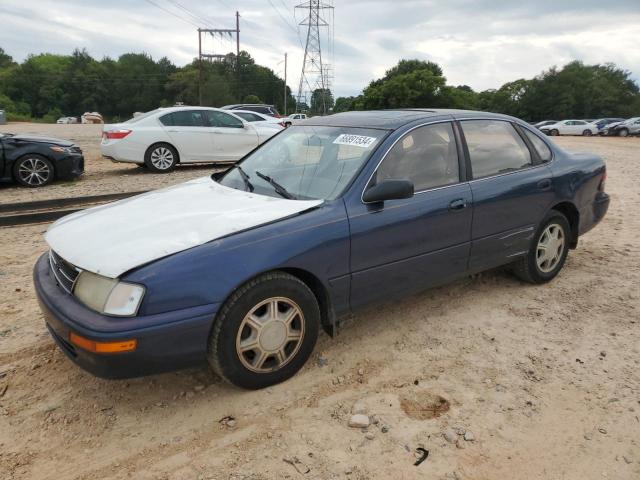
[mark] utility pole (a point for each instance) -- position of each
(314, 73)
(199, 67)
(218, 32)
(285, 84)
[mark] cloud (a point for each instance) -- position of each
(478, 43)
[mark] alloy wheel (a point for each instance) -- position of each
(550, 248)
(162, 158)
(34, 172)
(270, 335)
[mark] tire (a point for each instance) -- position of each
(554, 133)
(252, 357)
(287, 124)
(623, 132)
(33, 170)
(161, 158)
(587, 133)
(532, 268)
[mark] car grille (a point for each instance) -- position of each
(64, 272)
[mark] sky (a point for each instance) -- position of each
(483, 44)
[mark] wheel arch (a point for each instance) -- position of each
(570, 211)
(162, 142)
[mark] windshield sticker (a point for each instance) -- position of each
(355, 140)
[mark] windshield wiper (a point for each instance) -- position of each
(245, 178)
(280, 190)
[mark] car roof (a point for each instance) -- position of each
(394, 119)
(246, 105)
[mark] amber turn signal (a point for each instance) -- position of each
(103, 347)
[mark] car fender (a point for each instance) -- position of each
(315, 241)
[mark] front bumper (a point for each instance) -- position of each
(168, 341)
(69, 166)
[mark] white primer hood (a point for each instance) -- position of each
(112, 239)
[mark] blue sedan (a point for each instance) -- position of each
(242, 269)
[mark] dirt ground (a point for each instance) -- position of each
(544, 380)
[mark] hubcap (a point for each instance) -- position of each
(34, 171)
(162, 158)
(550, 248)
(270, 335)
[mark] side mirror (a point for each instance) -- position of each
(388, 190)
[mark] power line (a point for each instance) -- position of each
(282, 17)
(198, 18)
(171, 13)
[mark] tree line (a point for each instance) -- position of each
(48, 86)
(574, 91)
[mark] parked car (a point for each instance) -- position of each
(544, 123)
(602, 123)
(242, 268)
(625, 128)
(67, 120)
(37, 161)
(91, 117)
(162, 138)
(570, 127)
(260, 119)
(294, 118)
(255, 107)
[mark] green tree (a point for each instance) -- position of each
(321, 101)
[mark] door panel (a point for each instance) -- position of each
(188, 133)
(407, 245)
(507, 210)
(231, 139)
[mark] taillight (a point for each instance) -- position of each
(115, 134)
(602, 181)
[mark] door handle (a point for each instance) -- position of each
(457, 205)
(544, 184)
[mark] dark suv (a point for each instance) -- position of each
(255, 107)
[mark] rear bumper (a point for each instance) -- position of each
(168, 341)
(122, 151)
(595, 212)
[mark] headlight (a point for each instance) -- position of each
(61, 149)
(108, 295)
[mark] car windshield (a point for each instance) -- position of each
(305, 162)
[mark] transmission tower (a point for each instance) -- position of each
(315, 73)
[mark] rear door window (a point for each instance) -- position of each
(224, 120)
(185, 118)
(494, 147)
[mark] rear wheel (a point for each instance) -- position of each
(265, 331)
(161, 158)
(587, 133)
(33, 170)
(548, 251)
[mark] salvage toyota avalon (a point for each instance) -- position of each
(242, 269)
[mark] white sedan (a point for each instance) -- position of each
(162, 138)
(570, 127)
(261, 119)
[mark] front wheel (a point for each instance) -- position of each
(161, 158)
(554, 133)
(623, 132)
(548, 251)
(33, 170)
(265, 331)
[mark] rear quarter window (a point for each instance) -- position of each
(544, 152)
